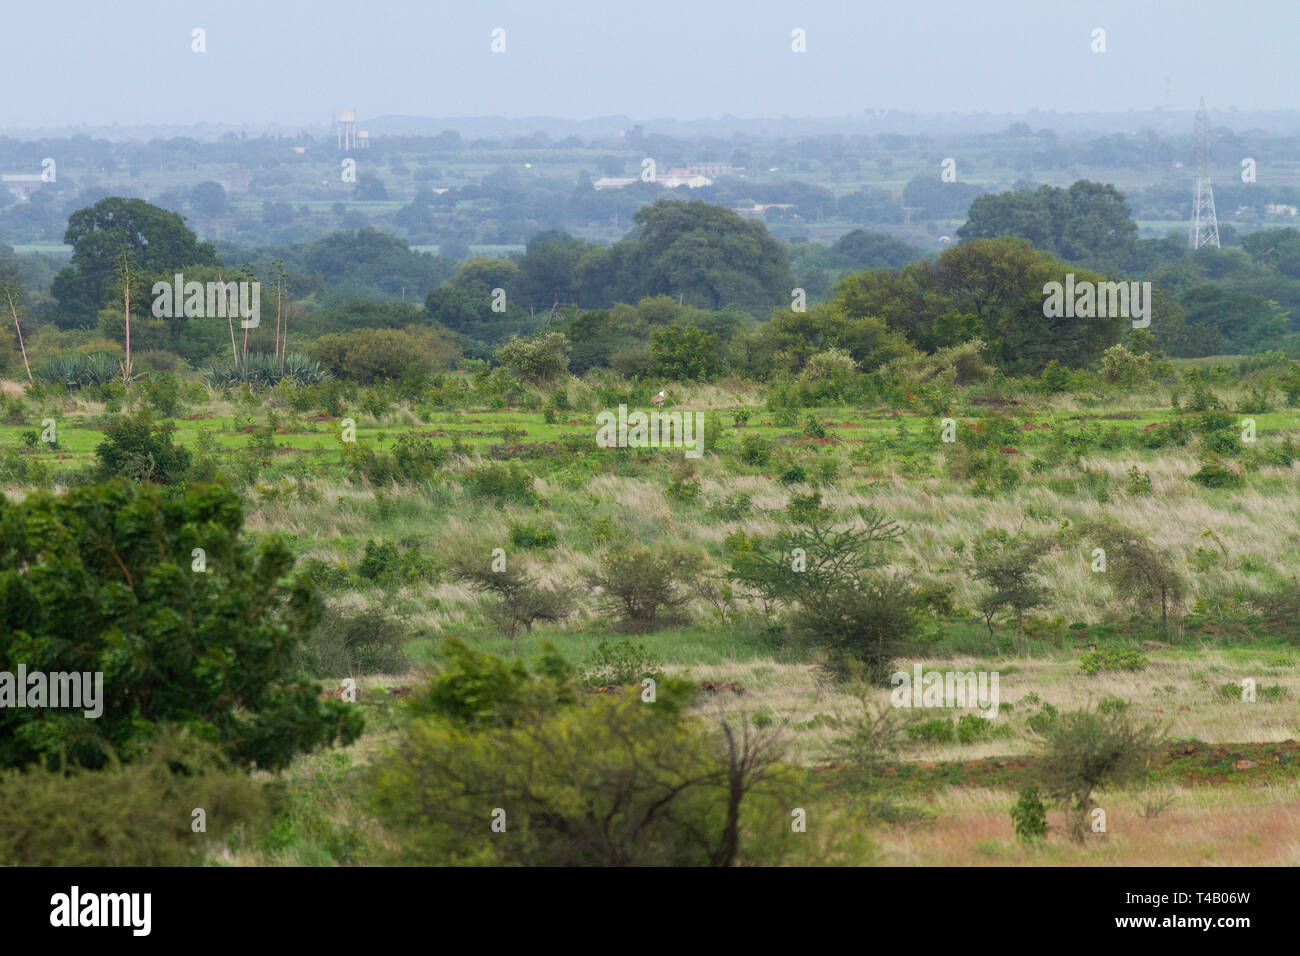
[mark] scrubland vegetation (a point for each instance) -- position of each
(373, 559)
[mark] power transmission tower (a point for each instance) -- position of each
(1205, 225)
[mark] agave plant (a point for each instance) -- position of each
(264, 369)
(81, 371)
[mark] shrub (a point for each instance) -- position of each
(100, 579)
(807, 561)
(583, 780)
(501, 482)
(1135, 567)
(413, 459)
(81, 371)
(1088, 749)
(522, 600)
(1009, 567)
(345, 644)
(861, 626)
(794, 475)
(638, 583)
(531, 536)
(620, 662)
(1111, 659)
(137, 447)
(1029, 817)
(1139, 482)
(755, 450)
(733, 507)
(389, 564)
(541, 360)
(972, 728)
(125, 815)
(1217, 476)
(684, 352)
(936, 731)
(371, 355)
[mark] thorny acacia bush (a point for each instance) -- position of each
(572, 779)
(137, 814)
(1086, 750)
(640, 583)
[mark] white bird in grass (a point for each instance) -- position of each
(659, 399)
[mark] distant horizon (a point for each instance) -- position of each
(868, 123)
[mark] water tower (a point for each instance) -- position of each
(347, 129)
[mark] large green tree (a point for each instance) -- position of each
(157, 242)
(1087, 223)
(706, 255)
(189, 622)
(991, 289)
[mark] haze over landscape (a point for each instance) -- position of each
(595, 435)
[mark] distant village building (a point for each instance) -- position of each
(759, 210)
(22, 185)
(714, 170)
(669, 180)
(683, 177)
(1280, 209)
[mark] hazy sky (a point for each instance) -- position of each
(291, 62)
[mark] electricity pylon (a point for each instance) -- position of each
(1205, 225)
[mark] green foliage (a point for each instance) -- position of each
(373, 355)
(77, 371)
(972, 728)
(640, 583)
(531, 536)
(809, 560)
(1087, 749)
(414, 460)
(861, 627)
(542, 360)
(1214, 475)
(390, 564)
(480, 690)
(1029, 816)
(591, 780)
(1111, 659)
(125, 815)
(347, 644)
(684, 352)
(522, 600)
(137, 447)
(1139, 482)
(100, 579)
(620, 662)
(1009, 567)
(265, 370)
(501, 482)
(936, 731)
(1135, 567)
(755, 450)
